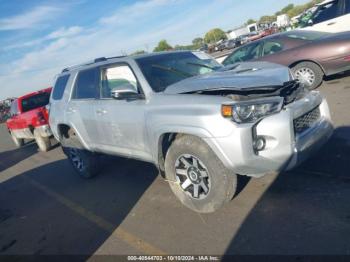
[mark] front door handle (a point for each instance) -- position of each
(331, 23)
(101, 111)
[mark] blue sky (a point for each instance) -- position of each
(38, 38)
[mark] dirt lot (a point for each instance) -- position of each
(45, 208)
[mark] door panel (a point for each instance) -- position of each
(121, 127)
(80, 114)
(80, 109)
(120, 122)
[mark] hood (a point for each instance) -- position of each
(247, 76)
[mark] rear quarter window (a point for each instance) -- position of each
(59, 87)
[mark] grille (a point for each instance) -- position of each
(307, 120)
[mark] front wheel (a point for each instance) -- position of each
(196, 175)
(18, 141)
(84, 162)
(309, 74)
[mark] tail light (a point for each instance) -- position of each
(41, 117)
(347, 58)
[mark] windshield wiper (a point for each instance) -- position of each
(201, 65)
(173, 70)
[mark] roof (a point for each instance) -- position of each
(158, 54)
(105, 59)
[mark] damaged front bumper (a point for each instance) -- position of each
(285, 147)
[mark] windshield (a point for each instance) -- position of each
(32, 102)
(168, 68)
(319, 14)
(306, 35)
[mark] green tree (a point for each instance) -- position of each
(278, 13)
(214, 35)
(197, 42)
(267, 19)
(162, 46)
(250, 21)
(139, 52)
(184, 47)
(287, 8)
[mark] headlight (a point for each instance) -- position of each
(252, 111)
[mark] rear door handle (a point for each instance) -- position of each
(101, 111)
(331, 23)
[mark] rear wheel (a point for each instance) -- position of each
(18, 141)
(84, 162)
(309, 74)
(197, 177)
(43, 143)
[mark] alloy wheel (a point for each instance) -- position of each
(76, 159)
(192, 176)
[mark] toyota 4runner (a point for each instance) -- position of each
(200, 123)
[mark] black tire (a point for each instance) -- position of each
(19, 142)
(313, 69)
(44, 143)
(85, 163)
(221, 182)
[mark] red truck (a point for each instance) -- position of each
(29, 119)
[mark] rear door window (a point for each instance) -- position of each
(271, 47)
(245, 53)
(59, 87)
(86, 84)
(35, 101)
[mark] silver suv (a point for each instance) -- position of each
(200, 123)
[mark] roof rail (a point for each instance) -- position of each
(100, 59)
(112, 57)
(96, 60)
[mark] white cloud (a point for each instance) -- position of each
(29, 19)
(65, 32)
(74, 45)
(60, 33)
(134, 11)
(110, 35)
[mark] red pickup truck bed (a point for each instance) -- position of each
(29, 119)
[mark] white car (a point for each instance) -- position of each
(330, 16)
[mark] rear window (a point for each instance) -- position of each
(59, 87)
(35, 101)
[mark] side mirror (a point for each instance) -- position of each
(310, 22)
(126, 91)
